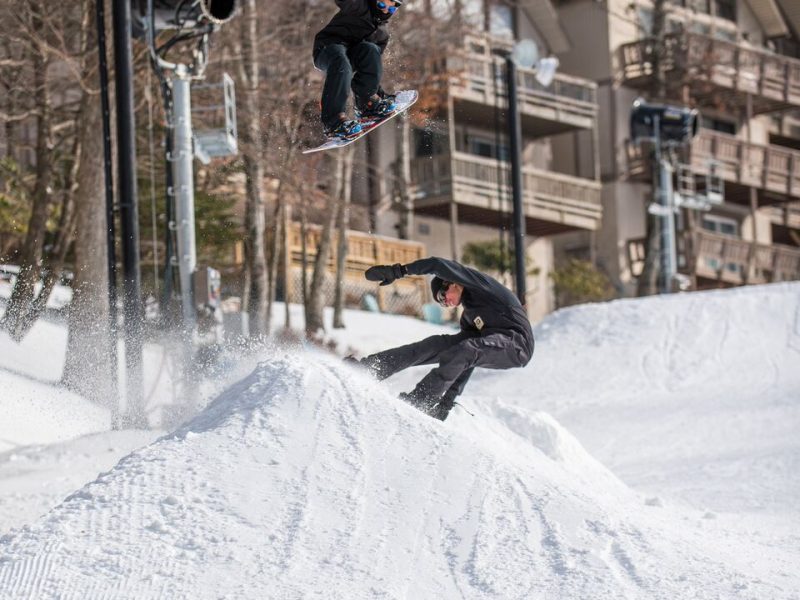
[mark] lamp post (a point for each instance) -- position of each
(129, 213)
(515, 148)
(524, 54)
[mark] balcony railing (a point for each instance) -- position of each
(767, 167)
(727, 259)
(478, 76)
(698, 60)
(363, 250)
(787, 215)
(770, 168)
(483, 183)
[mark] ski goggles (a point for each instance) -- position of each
(392, 8)
(441, 293)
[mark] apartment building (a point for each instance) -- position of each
(738, 63)
(458, 169)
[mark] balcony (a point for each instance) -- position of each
(717, 72)
(726, 259)
(477, 85)
(773, 170)
(553, 203)
(364, 250)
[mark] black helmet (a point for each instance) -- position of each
(439, 286)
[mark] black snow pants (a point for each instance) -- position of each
(457, 356)
(360, 68)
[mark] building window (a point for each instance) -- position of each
(480, 146)
(723, 226)
(501, 21)
(429, 143)
(725, 9)
(423, 229)
(720, 125)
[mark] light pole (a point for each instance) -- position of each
(515, 148)
(129, 213)
(525, 54)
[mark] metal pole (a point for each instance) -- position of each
(451, 156)
(668, 253)
(111, 254)
(129, 215)
(515, 139)
(183, 190)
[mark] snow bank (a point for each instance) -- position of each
(35, 412)
(746, 336)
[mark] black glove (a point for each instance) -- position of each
(386, 274)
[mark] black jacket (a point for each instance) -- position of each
(357, 21)
(489, 306)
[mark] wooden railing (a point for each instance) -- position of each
(767, 167)
(787, 215)
(485, 183)
(363, 249)
(734, 66)
(479, 74)
(728, 259)
(407, 296)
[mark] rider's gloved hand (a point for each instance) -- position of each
(386, 274)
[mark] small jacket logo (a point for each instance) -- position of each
(478, 323)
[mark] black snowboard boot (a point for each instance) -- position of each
(425, 404)
(376, 108)
(344, 130)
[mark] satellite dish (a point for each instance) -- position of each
(525, 53)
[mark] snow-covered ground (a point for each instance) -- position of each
(649, 450)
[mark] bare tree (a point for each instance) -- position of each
(88, 368)
(342, 224)
(315, 303)
(23, 293)
(255, 285)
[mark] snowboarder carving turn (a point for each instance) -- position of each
(495, 333)
(349, 50)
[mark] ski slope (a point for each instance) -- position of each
(648, 451)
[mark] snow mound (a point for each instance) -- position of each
(307, 479)
(34, 412)
(543, 432)
(676, 342)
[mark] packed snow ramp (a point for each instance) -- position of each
(307, 479)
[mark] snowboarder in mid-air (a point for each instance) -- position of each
(495, 333)
(349, 50)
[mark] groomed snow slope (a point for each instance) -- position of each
(308, 480)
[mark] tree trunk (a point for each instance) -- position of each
(403, 203)
(342, 224)
(255, 299)
(88, 368)
(22, 295)
(303, 255)
(315, 304)
(65, 233)
(88, 362)
(274, 253)
(286, 266)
